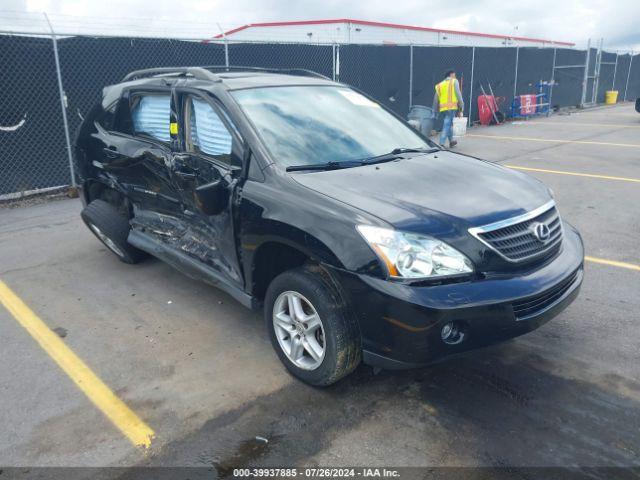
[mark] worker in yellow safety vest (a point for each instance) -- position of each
(448, 101)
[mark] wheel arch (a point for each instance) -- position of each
(96, 189)
(273, 257)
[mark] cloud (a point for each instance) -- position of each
(568, 20)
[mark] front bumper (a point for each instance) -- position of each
(401, 324)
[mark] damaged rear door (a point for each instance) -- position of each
(136, 148)
(207, 151)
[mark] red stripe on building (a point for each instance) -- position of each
(391, 25)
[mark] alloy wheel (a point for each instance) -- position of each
(299, 330)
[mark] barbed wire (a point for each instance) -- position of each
(63, 24)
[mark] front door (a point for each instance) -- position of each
(209, 149)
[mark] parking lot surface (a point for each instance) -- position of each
(197, 368)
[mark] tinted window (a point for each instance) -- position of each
(151, 115)
(308, 125)
(207, 132)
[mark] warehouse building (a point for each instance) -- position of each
(348, 31)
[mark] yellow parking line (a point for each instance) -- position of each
(562, 172)
(549, 140)
(138, 432)
(586, 124)
(613, 263)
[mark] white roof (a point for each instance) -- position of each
(367, 32)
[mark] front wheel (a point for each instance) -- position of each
(312, 329)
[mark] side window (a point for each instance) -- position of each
(206, 133)
(151, 114)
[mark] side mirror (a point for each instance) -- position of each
(212, 198)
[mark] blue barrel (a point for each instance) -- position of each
(424, 117)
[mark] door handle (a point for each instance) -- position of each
(110, 153)
(182, 166)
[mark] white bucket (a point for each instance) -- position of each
(414, 123)
(459, 126)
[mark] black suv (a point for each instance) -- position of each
(359, 238)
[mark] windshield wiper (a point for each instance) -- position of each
(324, 166)
(385, 157)
(395, 154)
(398, 151)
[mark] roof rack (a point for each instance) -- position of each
(285, 71)
(196, 72)
(205, 73)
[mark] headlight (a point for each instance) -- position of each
(409, 255)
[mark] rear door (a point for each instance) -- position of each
(210, 149)
(137, 149)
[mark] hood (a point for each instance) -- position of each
(441, 194)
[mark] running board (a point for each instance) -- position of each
(190, 267)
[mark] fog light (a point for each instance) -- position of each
(446, 330)
(452, 333)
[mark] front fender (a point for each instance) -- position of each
(318, 226)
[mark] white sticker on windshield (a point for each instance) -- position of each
(357, 99)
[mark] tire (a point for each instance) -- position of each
(338, 334)
(112, 228)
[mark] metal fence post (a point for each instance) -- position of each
(410, 76)
(583, 98)
(333, 62)
(596, 73)
(515, 81)
(615, 70)
(63, 103)
(553, 80)
(337, 64)
(626, 85)
(226, 46)
(473, 62)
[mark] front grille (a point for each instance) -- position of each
(531, 306)
(515, 239)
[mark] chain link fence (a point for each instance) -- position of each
(33, 153)
(37, 93)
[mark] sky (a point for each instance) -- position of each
(617, 21)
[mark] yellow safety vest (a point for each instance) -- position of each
(447, 98)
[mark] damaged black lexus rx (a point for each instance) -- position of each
(359, 238)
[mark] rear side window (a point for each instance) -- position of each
(207, 132)
(151, 115)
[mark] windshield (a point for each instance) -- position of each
(310, 125)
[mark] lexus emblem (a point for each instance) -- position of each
(541, 231)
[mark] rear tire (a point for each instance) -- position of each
(112, 228)
(325, 326)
